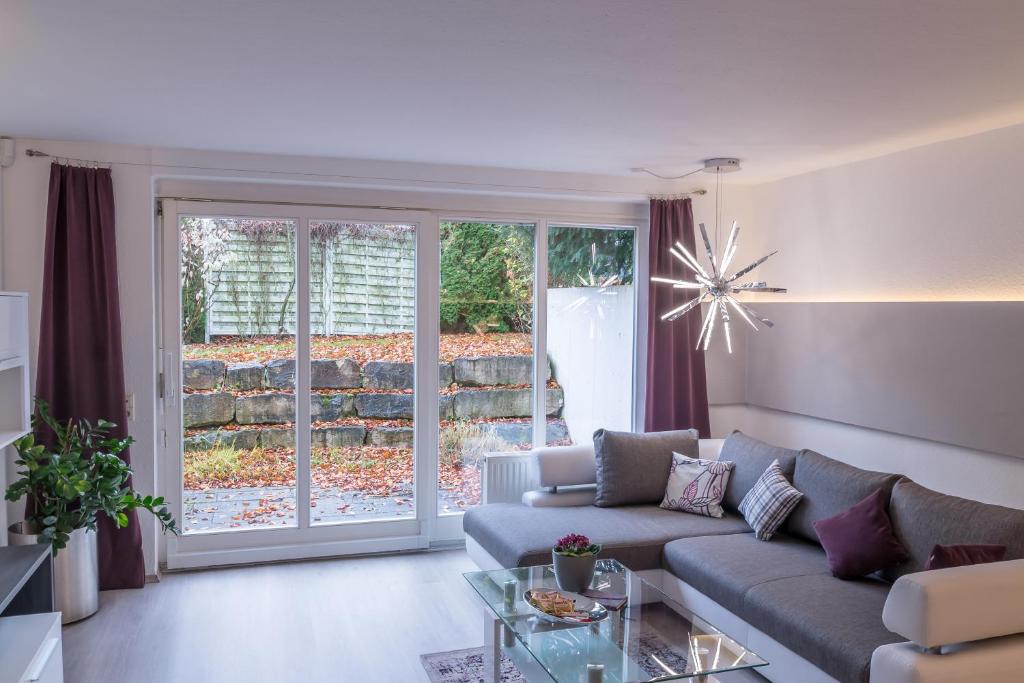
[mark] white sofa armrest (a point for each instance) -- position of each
(997, 660)
(570, 496)
(564, 465)
(957, 605)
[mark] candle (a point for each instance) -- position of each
(595, 673)
(510, 594)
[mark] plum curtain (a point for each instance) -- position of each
(677, 392)
(80, 370)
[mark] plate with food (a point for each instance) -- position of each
(563, 607)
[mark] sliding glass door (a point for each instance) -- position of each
(487, 356)
(362, 370)
(237, 327)
(334, 379)
(290, 375)
(591, 321)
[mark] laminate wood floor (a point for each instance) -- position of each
(358, 620)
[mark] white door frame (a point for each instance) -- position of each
(303, 540)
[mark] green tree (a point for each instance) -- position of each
(585, 257)
(486, 277)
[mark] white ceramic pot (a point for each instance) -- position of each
(76, 572)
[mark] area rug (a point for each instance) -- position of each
(465, 666)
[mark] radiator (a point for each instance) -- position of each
(507, 476)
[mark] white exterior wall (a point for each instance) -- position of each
(590, 344)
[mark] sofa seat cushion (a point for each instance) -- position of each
(725, 567)
(520, 536)
(833, 624)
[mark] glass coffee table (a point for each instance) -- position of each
(651, 638)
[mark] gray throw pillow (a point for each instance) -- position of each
(632, 469)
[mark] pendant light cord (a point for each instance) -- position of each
(718, 208)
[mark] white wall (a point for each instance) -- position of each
(590, 343)
(936, 223)
(140, 173)
(958, 471)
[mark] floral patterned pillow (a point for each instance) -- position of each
(697, 486)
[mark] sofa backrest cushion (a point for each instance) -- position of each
(752, 458)
(633, 468)
(830, 487)
(923, 518)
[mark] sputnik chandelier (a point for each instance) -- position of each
(717, 287)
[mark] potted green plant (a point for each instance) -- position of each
(67, 488)
(575, 558)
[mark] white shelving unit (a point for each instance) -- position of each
(15, 396)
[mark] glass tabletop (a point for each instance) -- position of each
(651, 638)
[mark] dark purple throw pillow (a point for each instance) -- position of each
(860, 540)
(946, 556)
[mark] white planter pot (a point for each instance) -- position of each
(76, 573)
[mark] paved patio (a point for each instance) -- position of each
(274, 506)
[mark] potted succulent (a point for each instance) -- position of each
(574, 557)
(67, 488)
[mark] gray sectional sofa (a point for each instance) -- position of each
(777, 597)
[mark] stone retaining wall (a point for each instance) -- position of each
(356, 435)
(487, 371)
(484, 388)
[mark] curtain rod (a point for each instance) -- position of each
(329, 205)
(284, 203)
(679, 195)
(340, 176)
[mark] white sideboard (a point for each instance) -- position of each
(30, 649)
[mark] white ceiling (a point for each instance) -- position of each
(600, 86)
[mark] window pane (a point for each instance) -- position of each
(590, 330)
(238, 372)
(362, 311)
(487, 272)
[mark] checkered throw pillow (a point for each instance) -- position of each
(766, 506)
